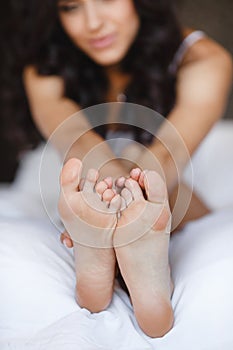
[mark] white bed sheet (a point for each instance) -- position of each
(37, 305)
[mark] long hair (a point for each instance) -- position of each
(34, 35)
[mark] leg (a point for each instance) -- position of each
(88, 221)
(196, 208)
(144, 262)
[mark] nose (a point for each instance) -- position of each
(93, 16)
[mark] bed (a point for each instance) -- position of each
(37, 305)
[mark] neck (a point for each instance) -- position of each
(118, 82)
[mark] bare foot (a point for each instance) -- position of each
(143, 259)
(90, 223)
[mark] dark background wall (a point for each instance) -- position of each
(215, 17)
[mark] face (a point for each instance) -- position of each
(103, 29)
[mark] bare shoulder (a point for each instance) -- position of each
(205, 72)
(206, 48)
(39, 86)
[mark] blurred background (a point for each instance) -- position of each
(214, 17)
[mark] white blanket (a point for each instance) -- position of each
(37, 304)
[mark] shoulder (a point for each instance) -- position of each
(39, 85)
(205, 74)
(205, 49)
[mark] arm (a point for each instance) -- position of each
(50, 109)
(203, 84)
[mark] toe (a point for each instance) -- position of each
(90, 180)
(120, 183)
(81, 184)
(70, 174)
(108, 195)
(109, 181)
(134, 188)
(127, 196)
(101, 187)
(115, 203)
(141, 180)
(135, 173)
(155, 187)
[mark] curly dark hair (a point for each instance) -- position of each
(34, 35)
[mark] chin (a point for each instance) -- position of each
(108, 59)
(108, 63)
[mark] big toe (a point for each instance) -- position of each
(134, 188)
(115, 204)
(155, 187)
(90, 180)
(156, 192)
(70, 174)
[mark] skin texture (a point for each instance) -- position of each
(90, 20)
(83, 211)
(203, 82)
(134, 229)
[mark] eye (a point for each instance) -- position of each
(68, 6)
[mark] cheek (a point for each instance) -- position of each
(128, 11)
(72, 29)
(130, 19)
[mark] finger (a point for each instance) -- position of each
(66, 239)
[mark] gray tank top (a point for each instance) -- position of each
(188, 41)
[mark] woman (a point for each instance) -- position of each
(85, 52)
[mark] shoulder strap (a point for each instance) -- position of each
(188, 41)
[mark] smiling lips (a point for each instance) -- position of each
(103, 42)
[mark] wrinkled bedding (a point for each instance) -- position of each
(37, 305)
